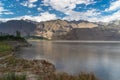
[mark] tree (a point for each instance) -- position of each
(18, 34)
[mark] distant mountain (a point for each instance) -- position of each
(62, 29)
(92, 34)
(1, 22)
(10, 27)
(111, 25)
(46, 29)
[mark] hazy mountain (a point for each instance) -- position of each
(92, 34)
(12, 26)
(111, 25)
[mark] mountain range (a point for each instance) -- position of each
(62, 29)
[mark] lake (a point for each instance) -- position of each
(73, 57)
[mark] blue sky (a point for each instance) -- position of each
(43, 10)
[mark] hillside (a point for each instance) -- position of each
(92, 34)
(61, 29)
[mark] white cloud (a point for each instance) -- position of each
(114, 6)
(115, 16)
(29, 3)
(108, 18)
(42, 17)
(65, 5)
(73, 15)
(7, 13)
(46, 16)
(39, 9)
(29, 12)
(92, 16)
(3, 10)
(32, 1)
(24, 4)
(1, 7)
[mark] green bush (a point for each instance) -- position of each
(11, 37)
(13, 76)
(4, 47)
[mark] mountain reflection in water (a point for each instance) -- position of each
(101, 58)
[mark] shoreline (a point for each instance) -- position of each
(35, 68)
(10, 63)
(79, 41)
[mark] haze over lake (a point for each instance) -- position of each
(101, 58)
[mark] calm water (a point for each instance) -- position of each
(102, 58)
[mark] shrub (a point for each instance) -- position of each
(13, 76)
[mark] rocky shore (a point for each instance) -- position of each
(34, 69)
(10, 63)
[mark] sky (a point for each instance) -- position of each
(44, 10)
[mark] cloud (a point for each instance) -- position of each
(114, 16)
(68, 8)
(114, 6)
(7, 13)
(1, 7)
(3, 10)
(42, 17)
(92, 16)
(32, 1)
(65, 5)
(29, 3)
(107, 18)
(39, 9)
(73, 15)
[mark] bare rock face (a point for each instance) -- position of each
(48, 29)
(55, 28)
(61, 29)
(86, 25)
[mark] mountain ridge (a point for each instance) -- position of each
(58, 29)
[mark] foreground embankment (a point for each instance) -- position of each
(12, 68)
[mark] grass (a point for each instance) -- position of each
(5, 49)
(60, 76)
(20, 65)
(14, 64)
(65, 76)
(13, 76)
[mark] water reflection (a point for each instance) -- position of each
(102, 59)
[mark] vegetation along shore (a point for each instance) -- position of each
(12, 68)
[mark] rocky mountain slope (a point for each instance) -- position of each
(48, 29)
(61, 29)
(54, 28)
